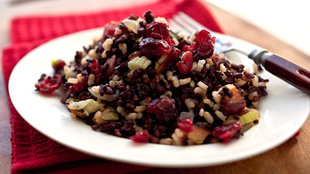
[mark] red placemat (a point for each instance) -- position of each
(32, 151)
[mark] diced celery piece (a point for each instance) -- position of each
(109, 115)
(139, 62)
(246, 127)
(229, 120)
(88, 105)
(249, 117)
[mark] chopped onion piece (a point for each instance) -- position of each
(105, 96)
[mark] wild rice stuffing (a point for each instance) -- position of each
(142, 81)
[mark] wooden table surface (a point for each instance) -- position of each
(293, 156)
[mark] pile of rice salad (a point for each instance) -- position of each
(142, 81)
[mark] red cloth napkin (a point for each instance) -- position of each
(32, 151)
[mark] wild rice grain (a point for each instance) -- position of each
(201, 112)
(192, 84)
(222, 68)
(104, 54)
(131, 116)
(79, 77)
(175, 81)
(220, 115)
(140, 108)
(123, 48)
(177, 137)
(194, 67)
(208, 102)
(92, 54)
(167, 141)
(91, 79)
(185, 81)
(216, 96)
(216, 106)
(169, 75)
(255, 81)
(210, 62)
(117, 31)
(202, 85)
(107, 44)
(200, 65)
(73, 80)
(140, 115)
(199, 90)
(190, 103)
(121, 110)
(208, 117)
(112, 83)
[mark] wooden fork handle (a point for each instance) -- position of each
(286, 70)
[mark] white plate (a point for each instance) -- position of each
(283, 111)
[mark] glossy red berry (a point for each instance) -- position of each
(171, 59)
(151, 47)
(156, 30)
(186, 125)
(227, 132)
(204, 44)
(186, 63)
(49, 84)
(95, 69)
(109, 30)
(164, 109)
(81, 85)
(141, 137)
(190, 47)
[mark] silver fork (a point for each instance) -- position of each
(275, 64)
(181, 22)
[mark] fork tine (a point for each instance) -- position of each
(180, 23)
(176, 27)
(186, 27)
(191, 21)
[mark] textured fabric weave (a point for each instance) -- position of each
(32, 151)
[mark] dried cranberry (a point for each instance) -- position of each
(151, 47)
(81, 85)
(190, 47)
(109, 30)
(170, 60)
(111, 63)
(164, 109)
(170, 41)
(94, 67)
(186, 63)
(226, 132)
(186, 125)
(156, 30)
(49, 84)
(204, 44)
(141, 136)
